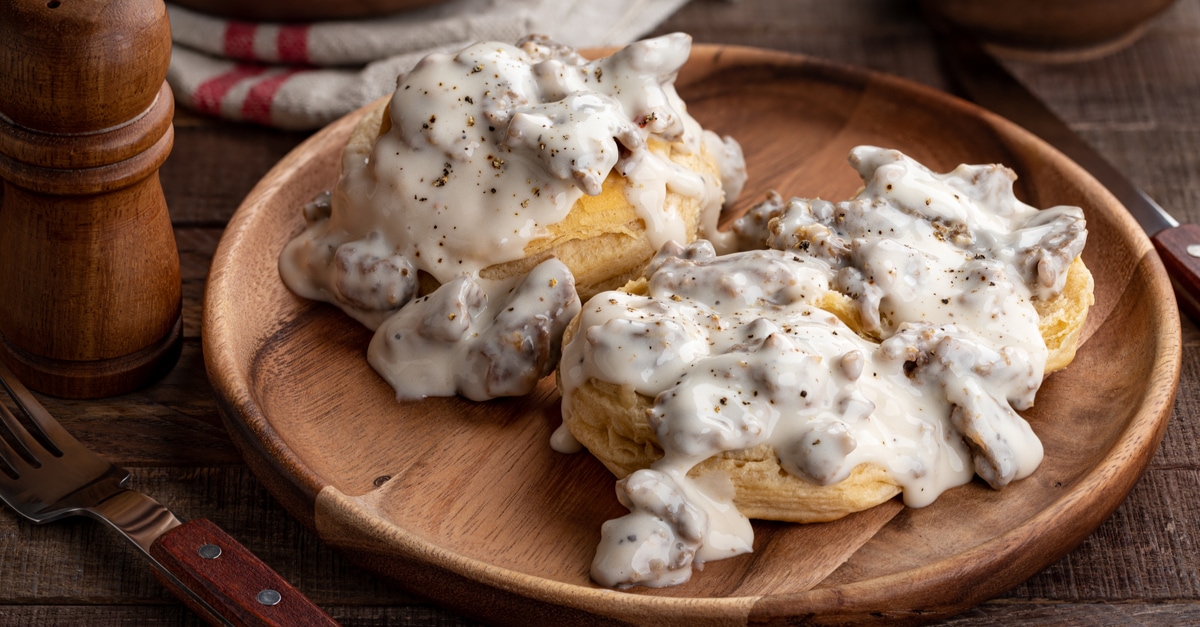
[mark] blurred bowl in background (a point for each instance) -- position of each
(301, 10)
(1049, 30)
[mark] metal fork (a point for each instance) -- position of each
(46, 474)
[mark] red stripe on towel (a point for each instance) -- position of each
(208, 96)
(257, 105)
(239, 40)
(292, 43)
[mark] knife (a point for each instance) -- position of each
(983, 80)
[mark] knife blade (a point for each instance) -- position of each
(982, 79)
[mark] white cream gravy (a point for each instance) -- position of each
(943, 269)
(488, 148)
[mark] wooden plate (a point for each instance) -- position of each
(466, 503)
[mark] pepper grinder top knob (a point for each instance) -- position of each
(80, 66)
(88, 264)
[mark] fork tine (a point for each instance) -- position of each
(12, 465)
(24, 443)
(49, 429)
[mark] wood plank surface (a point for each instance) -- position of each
(1140, 107)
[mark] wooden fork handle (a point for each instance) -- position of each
(230, 579)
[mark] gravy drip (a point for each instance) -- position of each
(942, 269)
(486, 149)
(481, 339)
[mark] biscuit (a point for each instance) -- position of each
(611, 422)
(1060, 319)
(602, 240)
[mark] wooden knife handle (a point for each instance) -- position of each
(230, 579)
(1179, 248)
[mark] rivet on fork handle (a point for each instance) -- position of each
(210, 551)
(227, 576)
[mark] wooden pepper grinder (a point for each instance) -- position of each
(90, 296)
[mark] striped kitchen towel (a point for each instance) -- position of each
(304, 76)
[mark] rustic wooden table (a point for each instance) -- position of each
(1140, 107)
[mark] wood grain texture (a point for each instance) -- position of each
(477, 510)
(227, 582)
(78, 560)
(1049, 26)
(1140, 107)
(1179, 248)
(91, 274)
